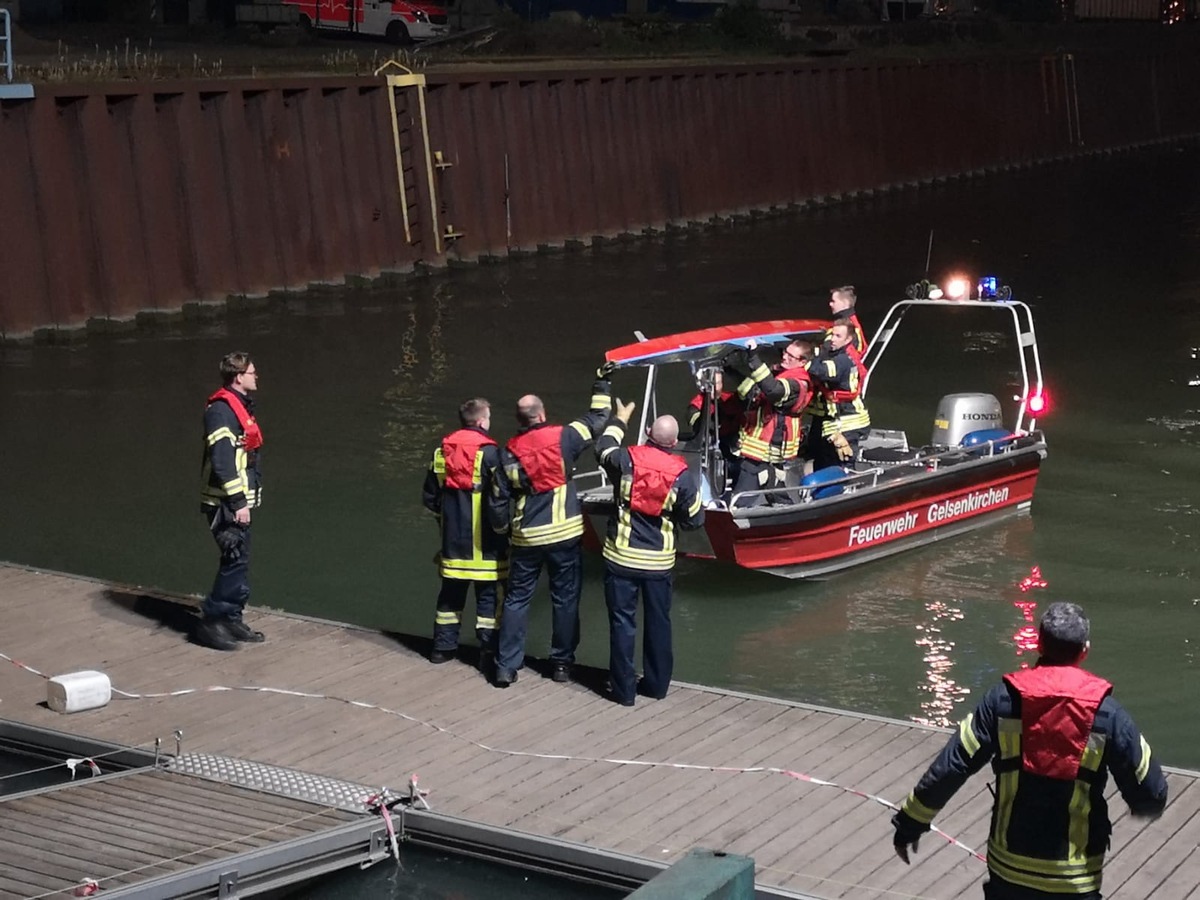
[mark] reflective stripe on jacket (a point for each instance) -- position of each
(539, 464)
(636, 538)
(465, 488)
(1047, 833)
(839, 378)
(229, 472)
(771, 429)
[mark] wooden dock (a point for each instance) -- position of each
(541, 758)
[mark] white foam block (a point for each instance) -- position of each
(77, 691)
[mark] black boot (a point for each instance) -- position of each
(240, 631)
(213, 633)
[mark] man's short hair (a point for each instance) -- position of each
(802, 347)
(845, 326)
(846, 292)
(473, 411)
(1063, 632)
(529, 412)
(233, 365)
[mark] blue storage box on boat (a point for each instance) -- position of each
(822, 477)
(980, 438)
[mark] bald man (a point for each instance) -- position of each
(654, 494)
(547, 528)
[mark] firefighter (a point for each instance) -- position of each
(467, 491)
(841, 304)
(1054, 734)
(231, 488)
(726, 409)
(771, 432)
(654, 494)
(547, 528)
(840, 418)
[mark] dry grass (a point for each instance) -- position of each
(145, 61)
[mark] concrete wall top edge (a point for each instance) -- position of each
(451, 76)
(476, 75)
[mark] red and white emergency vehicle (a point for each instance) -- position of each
(400, 21)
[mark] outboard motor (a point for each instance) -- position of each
(960, 414)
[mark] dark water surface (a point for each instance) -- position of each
(102, 440)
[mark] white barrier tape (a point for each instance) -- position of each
(773, 770)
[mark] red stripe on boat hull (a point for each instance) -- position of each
(842, 541)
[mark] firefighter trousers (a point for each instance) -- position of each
(621, 589)
(231, 586)
(999, 889)
(564, 566)
(450, 603)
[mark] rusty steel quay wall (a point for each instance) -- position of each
(116, 199)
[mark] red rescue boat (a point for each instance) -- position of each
(974, 471)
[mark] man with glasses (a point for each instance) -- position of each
(231, 488)
(771, 432)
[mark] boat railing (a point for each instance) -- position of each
(794, 494)
(865, 479)
(584, 480)
(6, 57)
(8, 89)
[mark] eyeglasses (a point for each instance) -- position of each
(794, 357)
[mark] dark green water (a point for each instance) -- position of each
(102, 439)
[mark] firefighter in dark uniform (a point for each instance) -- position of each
(841, 304)
(547, 528)
(727, 409)
(771, 432)
(1053, 734)
(467, 490)
(231, 488)
(654, 494)
(840, 418)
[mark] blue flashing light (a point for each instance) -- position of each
(988, 288)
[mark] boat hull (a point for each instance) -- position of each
(813, 539)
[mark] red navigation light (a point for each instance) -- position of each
(1038, 404)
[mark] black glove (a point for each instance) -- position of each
(908, 831)
(734, 364)
(230, 539)
(605, 371)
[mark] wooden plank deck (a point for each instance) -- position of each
(138, 826)
(485, 753)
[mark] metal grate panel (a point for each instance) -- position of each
(274, 779)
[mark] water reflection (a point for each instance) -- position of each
(1026, 636)
(941, 692)
(858, 629)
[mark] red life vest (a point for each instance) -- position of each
(539, 450)
(762, 421)
(1058, 709)
(252, 436)
(730, 410)
(654, 474)
(833, 395)
(459, 449)
(800, 375)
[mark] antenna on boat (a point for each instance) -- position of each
(929, 253)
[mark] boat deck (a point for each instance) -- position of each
(555, 760)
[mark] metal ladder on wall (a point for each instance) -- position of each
(9, 90)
